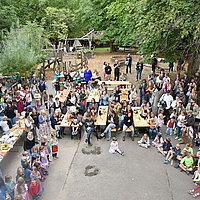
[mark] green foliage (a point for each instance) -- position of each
(56, 23)
(21, 49)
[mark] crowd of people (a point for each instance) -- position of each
(176, 108)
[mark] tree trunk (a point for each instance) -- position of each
(111, 46)
(193, 64)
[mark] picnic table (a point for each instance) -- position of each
(63, 95)
(8, 141)
(94, 94)
(102, 116)
(138, 121)
(124, 95)
(66, 122)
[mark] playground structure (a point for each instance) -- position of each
(58, 56)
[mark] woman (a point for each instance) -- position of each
(104, 99)
(93, 105)
(10, 113)
(44, 128)
(28, 121)
(116, 70)
(104, 71)
(29, 143)
(33, 88)
(35, 117)
(20, 103)
(57, 105)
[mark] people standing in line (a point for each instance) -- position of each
(116, 70)
(87, 74)
(154, 64)
(108, 71)
(139, 68)
(128, 63)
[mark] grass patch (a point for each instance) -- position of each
(103, 49)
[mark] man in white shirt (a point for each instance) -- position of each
(168, 99)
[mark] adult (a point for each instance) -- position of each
(42, 86)
(193, 107)
(1, 112)
(28, 121)
(10, 112)
(112, 122)
(171, 66)
(179, 66)
(87, 74)
(35, 117)
(154, 64)
(29, 143)
(44, 128)
(188, 129)
(116, 70)
(104, 71)
(55, 123)
(56, 74)
(104, 99)
(139, 68)
(34, 79)
(57, 105)
(142, 88)
(128, 63)
(42, 76)
(151, 77)
(8, 84)
(128, 123)
(167, 100)
(3, 189)
(20, 103)
(108, 71)
(33, 88)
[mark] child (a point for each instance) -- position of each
(170, 126)
(27, 172)
(36, 174)
(197, 140)
(28, 98)
(165, 147)
(114, 148)
(35, 151)
(180, 125)
(25, 158)
(47, 147)
(21, 189)
(186, 163)
(75, 128)
(160, 119)
(20, 173)
(45, 96)
(144, 141)
(43, 157)
(10, 185)
(50, 103)
(152, 129)
(54, 145)
(34, 189)
(37, 97)
(4, 125)
(174, 153)
(158, 141)
(133, 98)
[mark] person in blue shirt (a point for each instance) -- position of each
(90, 86)
(56, 74)
(87, 74)
(3, 189)
(42, 86)
(34, 78)
(139, 68)
(104, 99)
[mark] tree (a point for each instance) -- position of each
(56, 23)
(22, 49)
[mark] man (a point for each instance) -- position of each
(89, 127)
(142, 87)
(128, 63)
(194, 107)
(186, 79)
(108, 70)
(42, 86)
(87, 74)
(128, 123)
(112, 122)
(186, 163)
(188, 129)
(168, 99)
(152, 77)
(34, 78)
(139, 68)
(179, 108)
(174, 152)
